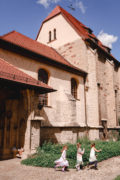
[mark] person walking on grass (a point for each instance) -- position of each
(80, 153)
(93, 159)
(62, 161)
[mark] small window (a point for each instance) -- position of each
(54, 34)
(43, 98)
(50, 36)
(74, 88)
(43, 76)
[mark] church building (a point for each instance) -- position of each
(60, 87)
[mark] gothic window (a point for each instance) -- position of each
(50, 36)
(54, 34)
(74, 88)
(43, 98)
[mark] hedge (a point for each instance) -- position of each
(48, 153)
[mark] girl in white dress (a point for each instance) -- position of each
(93, 159)
(62, 161)
(80, 152)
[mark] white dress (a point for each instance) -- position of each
(80, 152)
(62, 160)
(92, 155)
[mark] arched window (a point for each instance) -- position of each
(50, 36)
(43, 76)
(74, 88)
(54, 34)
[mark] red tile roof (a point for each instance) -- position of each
(84, 31)
(34, 46)
(10, 72)
(27, 43)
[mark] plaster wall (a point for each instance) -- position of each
(64, 32)
(62, 109)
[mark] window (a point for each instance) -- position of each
(50, 36)
(43, 76)
(74, 88)
(54, 34)
(43, 98)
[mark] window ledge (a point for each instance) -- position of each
(51, 41)
(47, 106)
(74, 99)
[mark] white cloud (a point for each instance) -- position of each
(107, 39)
(80, 5)
(46, 3)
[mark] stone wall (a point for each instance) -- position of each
(85, 58)
(62, 135)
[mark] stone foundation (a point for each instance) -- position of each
(66, 134)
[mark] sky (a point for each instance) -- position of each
(26, 16)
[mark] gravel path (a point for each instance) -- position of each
(13, 170)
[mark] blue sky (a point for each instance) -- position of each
(26, 16)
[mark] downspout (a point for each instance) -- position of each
(85, 105)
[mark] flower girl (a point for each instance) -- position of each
(62, 161)
(80, 152)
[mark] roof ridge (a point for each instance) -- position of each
(4, 35)
(24, 37)
(72, 16)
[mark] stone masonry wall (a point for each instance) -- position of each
(84, 58)
(102, 87)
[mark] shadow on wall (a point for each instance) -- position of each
(56, 134)
(46, 132)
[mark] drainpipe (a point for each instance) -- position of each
(85, 105)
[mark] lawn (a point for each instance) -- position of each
(117, 178)
(48, 153)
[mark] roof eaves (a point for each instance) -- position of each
(108, 54)
(4, 35)
(18, 76)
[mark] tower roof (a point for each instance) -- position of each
(85, 32)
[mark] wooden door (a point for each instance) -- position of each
(11, 127)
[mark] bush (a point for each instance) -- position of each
(48, 153)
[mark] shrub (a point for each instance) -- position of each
(48, 153)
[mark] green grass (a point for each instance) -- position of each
(117, 178)
(48, 153)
